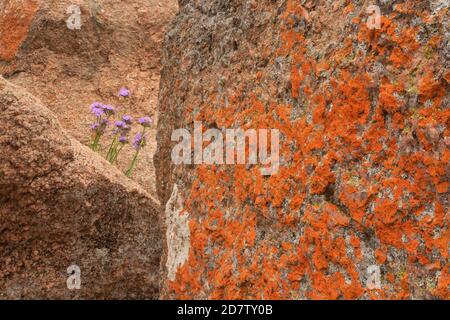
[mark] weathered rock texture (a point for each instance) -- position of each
(364, 176)
(62, 205)
(117, 46)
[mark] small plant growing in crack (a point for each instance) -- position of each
(120, 131)
(102, 114)
(120, 138)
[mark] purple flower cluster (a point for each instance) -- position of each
(124, 92)
(140, 138)
(109, 110)
(146, 122)
(120, 130)
(100, 110)
(127, 119)
(102, 113)
(97, 109)
(123, 127)
(139, 141)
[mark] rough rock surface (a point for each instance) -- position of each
(62, 205)
(364, 176)
(118, 45)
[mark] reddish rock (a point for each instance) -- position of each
(16, 17)
(62, 205)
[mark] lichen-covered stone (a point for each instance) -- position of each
(364, 176)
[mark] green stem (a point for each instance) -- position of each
(116, 154)
(109, 155)
(133, 163)
(94, 145)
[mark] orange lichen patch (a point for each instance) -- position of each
(443, 284)
(405, 7)
(443, 187)
(322, 178)
(16, 19)
(380, 256)
(447, 76)
(429, 87)
(336, 217)
(295, 79)
(388, 100)
(293, 8)
(399, 58)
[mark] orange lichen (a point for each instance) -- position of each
(16, 20)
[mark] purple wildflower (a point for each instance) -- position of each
(97, 105)
(146, 121)
(123, 139)
(124, 92)
(100, 126)
(122, 128)
(98, 112)
(109, 110)
(139, 141)
(97, 109)
(127, 119)
(120, 124)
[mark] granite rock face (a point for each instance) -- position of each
(359, 207)
(62, 205)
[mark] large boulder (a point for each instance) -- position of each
(61, 206)
(359, 206)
